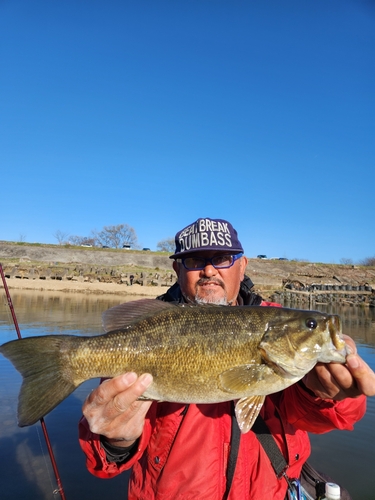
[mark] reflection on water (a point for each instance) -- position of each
(26, 472)
(61, 311)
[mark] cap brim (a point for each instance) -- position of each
(178, 255)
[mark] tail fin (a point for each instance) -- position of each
(47, 377)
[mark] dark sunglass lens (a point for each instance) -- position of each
(194, 263)
(222, 260)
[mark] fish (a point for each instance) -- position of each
(195, 353)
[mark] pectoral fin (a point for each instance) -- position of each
(247, 410)
(244, 379)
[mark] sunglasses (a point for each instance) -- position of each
(218, 262)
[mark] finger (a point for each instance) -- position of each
(340, 376)
(312, 381)
(109, 419)
(363, 375)
(108, 389)
(124, 416)
(324, 382)
(122, 400)
(350, 343)
(331, 381)
(133, 418)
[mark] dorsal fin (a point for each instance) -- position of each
(124, 314)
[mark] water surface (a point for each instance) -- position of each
(25, 471)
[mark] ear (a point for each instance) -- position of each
(176, 267)
(243, 263)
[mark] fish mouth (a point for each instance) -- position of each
(338, 350)
(335, 332)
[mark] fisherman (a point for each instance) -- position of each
(179, 451)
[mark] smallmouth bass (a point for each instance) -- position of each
(196, 354)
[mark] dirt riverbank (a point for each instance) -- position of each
(85, 287)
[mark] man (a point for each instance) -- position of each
(179, 451)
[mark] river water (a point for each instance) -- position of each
(25, 470)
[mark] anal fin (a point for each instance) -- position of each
(247, 410)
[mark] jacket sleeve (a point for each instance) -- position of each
(96, 459)
(309, 413)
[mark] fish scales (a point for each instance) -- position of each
(169, 346)
(196, 354)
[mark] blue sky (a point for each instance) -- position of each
(153, 113)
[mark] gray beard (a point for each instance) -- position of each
(208, 300)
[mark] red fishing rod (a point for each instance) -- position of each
(60, 488)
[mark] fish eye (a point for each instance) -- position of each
(311, 323)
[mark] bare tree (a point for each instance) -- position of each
(83, 240)
(61, 237)
(117, 236)
(110, 236)
(368, 261)
(346, 261)
(167, 245)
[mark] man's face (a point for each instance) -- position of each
(210, 285)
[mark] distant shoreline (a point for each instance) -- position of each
(97, 271)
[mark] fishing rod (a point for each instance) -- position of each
(60, 488)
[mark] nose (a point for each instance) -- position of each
(208, 270)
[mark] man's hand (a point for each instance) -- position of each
(336, 381)
(113, 409)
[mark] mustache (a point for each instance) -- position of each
(203, 281)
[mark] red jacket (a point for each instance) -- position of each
(172, 464)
